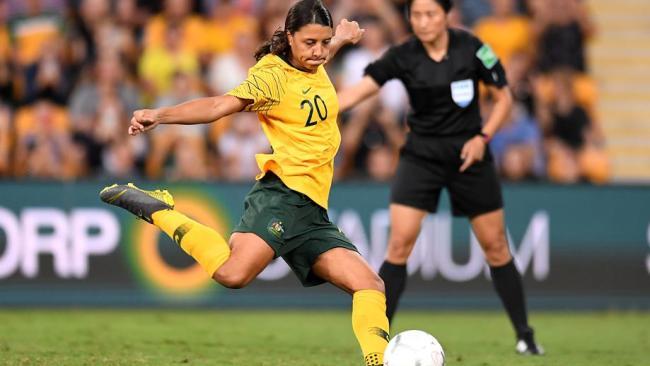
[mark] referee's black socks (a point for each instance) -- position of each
(394, 276)
(508, 284)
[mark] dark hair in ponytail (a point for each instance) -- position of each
(445, 4)
(302, 13)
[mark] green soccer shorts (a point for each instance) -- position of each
(294, 226)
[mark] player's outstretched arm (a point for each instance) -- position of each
(197, 111)
(356, 94)
(346, 33)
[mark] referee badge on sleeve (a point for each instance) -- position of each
(462, 92)
(487, 56)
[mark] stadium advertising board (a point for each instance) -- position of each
(581, 247)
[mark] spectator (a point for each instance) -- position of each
(187, 145)
(112, 37)
(43, 145)
(33, 27)
(562, 28)
(521, 81)
(129, 16)
(507, 32)
(228, 70)
(238, 146)
(47, 78)
(176, 13)
(382, 162)
(272, 20)
(474, 10)
(99, 106)
(517, 146)
(574, 141)
(7, 95)
(130, 24)
(390, 18)
(36, 32)
(91, 15)
(5, 41)
(119, 159)
(5, 141)
(227, 23)
(159, 64)
(370, 125)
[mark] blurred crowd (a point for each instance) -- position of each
(73, 71)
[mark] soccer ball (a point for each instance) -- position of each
(414, 348)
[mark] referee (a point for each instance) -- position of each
(446, 148)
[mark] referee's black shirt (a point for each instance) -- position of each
(444, 95)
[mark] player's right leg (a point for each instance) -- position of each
(347, 270)
(248, 258)
(233, 268)
(405, 227)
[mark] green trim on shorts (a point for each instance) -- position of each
(294, 226)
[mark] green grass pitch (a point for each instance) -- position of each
(301, 338)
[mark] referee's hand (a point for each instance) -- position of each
(473, 151)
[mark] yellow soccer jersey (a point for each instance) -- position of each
(298, 111)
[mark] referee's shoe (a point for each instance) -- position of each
(139, 202)
(526, 345)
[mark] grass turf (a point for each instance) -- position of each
(300, 338)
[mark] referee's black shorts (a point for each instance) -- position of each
(428, 164)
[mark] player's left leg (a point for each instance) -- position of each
(347, 270)
(232, 265)
(204, 244)
(489, 229)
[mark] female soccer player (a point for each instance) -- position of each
(446, 147)
(285, 212)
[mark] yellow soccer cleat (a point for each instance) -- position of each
(139, 202)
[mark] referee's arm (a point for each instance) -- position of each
(356, 94)
(474, 149)
(502, 107)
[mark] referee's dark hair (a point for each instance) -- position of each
(303, 13)
(445, 4)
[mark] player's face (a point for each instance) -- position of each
(310, 46)
(428, 20)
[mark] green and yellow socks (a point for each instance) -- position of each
(370, 325)
(204, 244)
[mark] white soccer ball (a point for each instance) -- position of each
(414, 348)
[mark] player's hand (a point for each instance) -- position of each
(143, 120)
(349, 32)
(473, 151)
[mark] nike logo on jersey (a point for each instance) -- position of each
(306, 91)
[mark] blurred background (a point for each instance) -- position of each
(574, 153)
(72, 72)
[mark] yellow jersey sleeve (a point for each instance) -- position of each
(265, 86)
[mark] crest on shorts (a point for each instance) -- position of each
(276, 228)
